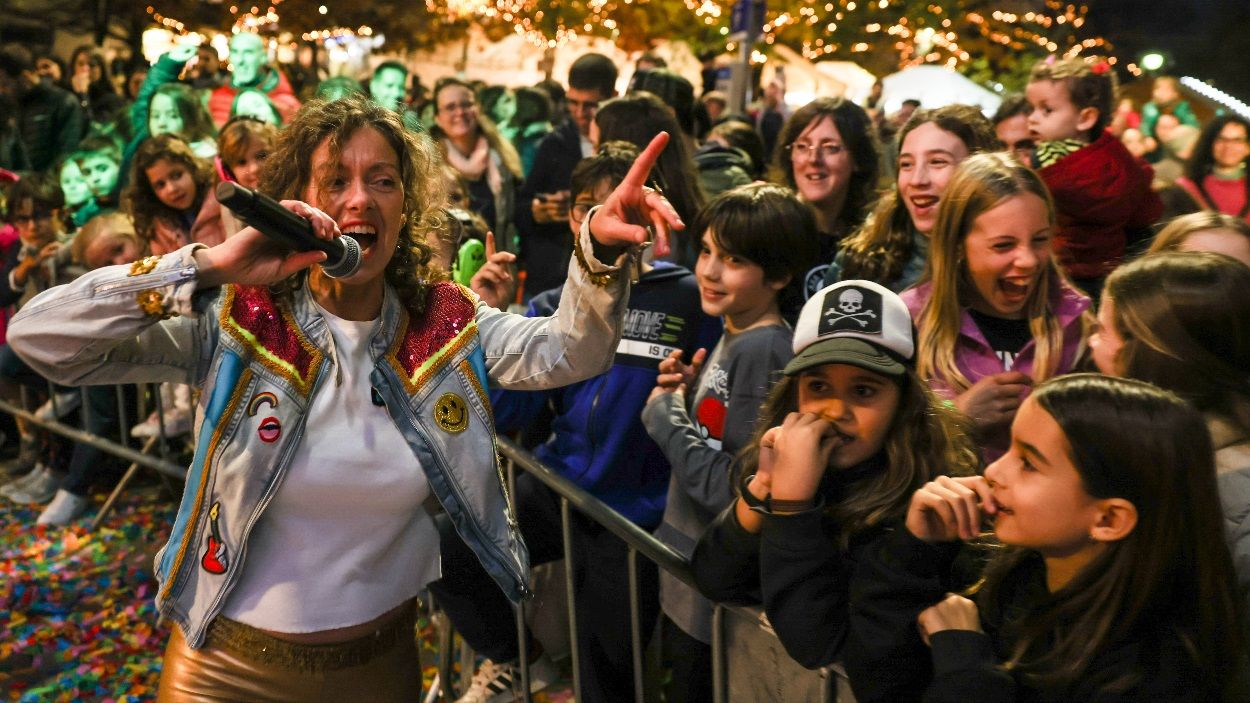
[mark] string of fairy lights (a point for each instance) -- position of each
(920, 31)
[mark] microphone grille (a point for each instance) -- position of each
(348, 263)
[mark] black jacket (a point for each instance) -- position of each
(546, 248)
(902, 576)
(51, 123)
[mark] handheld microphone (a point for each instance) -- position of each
(283, 226)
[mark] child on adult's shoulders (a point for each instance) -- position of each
(1102, 193)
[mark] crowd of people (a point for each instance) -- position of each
(963, 403)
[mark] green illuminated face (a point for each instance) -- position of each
(247, 59)
(253, 103)
(73, 185)
(387, 87)
(101, 173)
(163, 116)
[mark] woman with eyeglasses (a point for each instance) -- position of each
(472, 144)
(827, 153)
(1215, 176)
(892, 246)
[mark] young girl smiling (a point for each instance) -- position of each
(1114, 583)
(842, 442)
(993, 312)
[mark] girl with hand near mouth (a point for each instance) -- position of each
(993, 312)
(1113, 582)
(757, 240)
(169, 187)
(893, 245)
(843, 440)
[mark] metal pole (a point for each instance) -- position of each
(718, 654)
(117, 490)
(523, 649)
(565, 527)
(635, 624)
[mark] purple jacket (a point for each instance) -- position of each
(976, 359)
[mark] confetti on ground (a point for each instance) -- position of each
(78, 618)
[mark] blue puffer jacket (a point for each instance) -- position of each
(598, 439)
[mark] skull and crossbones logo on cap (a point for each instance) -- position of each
(851, 309)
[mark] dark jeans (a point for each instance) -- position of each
(691, 663)
(81, 463)
(486, 619)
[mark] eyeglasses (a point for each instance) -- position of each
(801, 150)
(462, 107)
(578, 212)
(1236, 141)
(43, 215)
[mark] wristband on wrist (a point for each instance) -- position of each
(755, 505)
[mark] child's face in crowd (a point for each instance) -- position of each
(1105, 342)
(1231, 146)
(732, 287)
(172, 182)
(1164, 92)
(586, 200)
(246, 169)
(73, 186)
(821, 163)
(926, 162)
(1005, 253)
(101, 173)
(859, 403)
(163, 116)
(1219, 241)
(1042, 503)
(35, 227)
(110, 248)
(1053, 115)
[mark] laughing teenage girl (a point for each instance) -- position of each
(993, 312)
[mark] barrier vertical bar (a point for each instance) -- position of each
(566, 529)
(635, 624)
(718, 654)
(523, 649)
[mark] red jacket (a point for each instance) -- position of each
(274, 84)
(1101, 193)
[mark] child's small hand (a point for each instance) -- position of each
(952, 613)
(674, 374)
(993, 400)
(762, 484)
(493, 282)
(950, 508)
(800, 455)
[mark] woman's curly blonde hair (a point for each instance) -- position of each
(289, 170)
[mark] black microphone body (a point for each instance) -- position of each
(281, 225)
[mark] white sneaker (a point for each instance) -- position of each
(493, 683)
(39, 490)
(19, 484)
(177, 422)
(63, 509)
(66, 403)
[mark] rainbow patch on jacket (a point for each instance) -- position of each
(429, 342)
(252, 316)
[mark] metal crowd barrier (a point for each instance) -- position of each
(742, 640)
(749, 663)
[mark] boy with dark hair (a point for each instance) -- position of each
(1011, 125)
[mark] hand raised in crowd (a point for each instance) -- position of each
(800, 451)
(182, 53)
(625, 216)
(551, 207)
(993, 401)
(676, 377)
(251, 258)
(951, 613)
(493, 282)
(950, 508)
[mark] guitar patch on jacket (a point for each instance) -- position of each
(215, 559)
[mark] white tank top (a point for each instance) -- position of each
(345, 538)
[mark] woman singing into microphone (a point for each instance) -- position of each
(332, 409)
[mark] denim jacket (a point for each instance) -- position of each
(260, 362)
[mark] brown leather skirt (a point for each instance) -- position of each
(241, 663)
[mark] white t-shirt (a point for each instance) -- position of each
(345, 537)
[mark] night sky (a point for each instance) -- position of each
(1207, 39)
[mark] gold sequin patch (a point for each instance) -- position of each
(451, 413)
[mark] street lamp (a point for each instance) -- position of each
(1152, 61)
